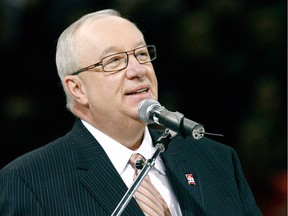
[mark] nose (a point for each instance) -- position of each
(134, 68)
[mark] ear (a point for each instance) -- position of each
(76, 88)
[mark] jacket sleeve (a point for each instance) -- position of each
(16, 198)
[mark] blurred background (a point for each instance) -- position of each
(222, 63)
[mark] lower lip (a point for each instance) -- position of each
(142, 95)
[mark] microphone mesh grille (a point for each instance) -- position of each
(144, 109)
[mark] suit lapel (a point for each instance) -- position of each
(105, 184)
(177, 165)
(187, 189)
(100, 177)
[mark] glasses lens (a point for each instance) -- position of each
(145, 54)
(119, 61)
(114, 62)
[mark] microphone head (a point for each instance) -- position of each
(144, 110)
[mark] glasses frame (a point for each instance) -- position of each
(127, 54)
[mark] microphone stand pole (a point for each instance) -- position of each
(161, 146)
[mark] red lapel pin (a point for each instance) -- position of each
(190, 179)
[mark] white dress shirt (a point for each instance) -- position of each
(120, 155)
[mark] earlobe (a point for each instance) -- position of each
(76, 88)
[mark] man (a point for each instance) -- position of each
(105, 67)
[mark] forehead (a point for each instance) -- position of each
(106, 32)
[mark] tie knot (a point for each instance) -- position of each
(137, 161)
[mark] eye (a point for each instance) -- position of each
(113, 59)
(114, 62)
(142, 55)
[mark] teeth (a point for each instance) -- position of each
(142, 90)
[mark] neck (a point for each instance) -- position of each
(130, 134)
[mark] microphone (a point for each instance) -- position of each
(151, 111)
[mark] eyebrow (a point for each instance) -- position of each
(107, 50)
(114, 48)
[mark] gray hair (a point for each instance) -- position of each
(66, 51)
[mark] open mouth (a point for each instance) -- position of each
(140, 91)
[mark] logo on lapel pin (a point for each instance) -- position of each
(190, 179)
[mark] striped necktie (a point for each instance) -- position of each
(147, 196)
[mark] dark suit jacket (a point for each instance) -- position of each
(73, 176)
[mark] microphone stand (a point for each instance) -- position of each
(161, 146)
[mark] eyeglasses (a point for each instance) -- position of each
(119, 61)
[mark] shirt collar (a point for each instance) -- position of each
(119, 154)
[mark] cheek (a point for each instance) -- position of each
(93, 88)
(154, 82)
(103, 88)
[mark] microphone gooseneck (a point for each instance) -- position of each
(151, 111)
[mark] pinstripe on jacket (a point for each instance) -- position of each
(73, 176)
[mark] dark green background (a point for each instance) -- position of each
(222, 63)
